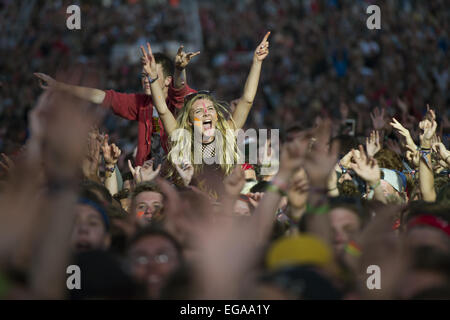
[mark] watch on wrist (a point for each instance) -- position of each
(152, 80)
(110, 169)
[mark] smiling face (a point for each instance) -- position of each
(203, 116)
(153, 259)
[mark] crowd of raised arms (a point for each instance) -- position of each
(157, 224)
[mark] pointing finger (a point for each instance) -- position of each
(266, 36)
(180, 49)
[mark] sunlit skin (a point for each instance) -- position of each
(203, 116)
(241, 208)
(148, 206)
(427, 236)
(153, 259)
(345, 224)
(89, 231)
(146, 83)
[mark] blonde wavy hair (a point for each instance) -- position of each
(180, 141)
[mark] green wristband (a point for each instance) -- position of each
(273, 188)
(323, 209)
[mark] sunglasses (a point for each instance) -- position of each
(192, 95)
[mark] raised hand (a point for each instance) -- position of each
(394, 146)
(182, 58)
(321, 159)
(413, 156)
(91, 160)
(377, 117)
(186, 171)
(149, 63)
(45, 81)
(373, 143)
(235, 181)
(439, 148)
(144, 173)
(366, 167)
(402, 105)
(429, 129)
(404, 132)
(262, 50)
(111, 152)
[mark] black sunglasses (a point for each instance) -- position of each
(189, 96)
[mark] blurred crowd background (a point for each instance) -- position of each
(324, 61)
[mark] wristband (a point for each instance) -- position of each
(112, 169)
(376, 185)
(274, 188)
(280, 184)
(317, 210)
(152, 80)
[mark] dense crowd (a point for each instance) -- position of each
(100, 131)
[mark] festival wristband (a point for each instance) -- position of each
(323, 209)
(274, 188)
(376, 185)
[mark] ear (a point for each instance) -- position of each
(167, 81)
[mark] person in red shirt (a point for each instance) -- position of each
(139, 106)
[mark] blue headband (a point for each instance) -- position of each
(97, 207)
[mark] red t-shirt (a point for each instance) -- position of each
(139, 107)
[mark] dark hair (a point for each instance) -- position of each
(346, 143)
(261, 186)
(127, 176)
(122, 194)
(151, 231)
(443, 196)
(166, 63)
(351, 203)
(144, 187)
(95, 186)
(348, 189)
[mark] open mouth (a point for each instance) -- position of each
(83, 246)
(207, 125)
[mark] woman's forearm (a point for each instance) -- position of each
(426, 180)
(111, 182)
(245, 103)
(166, 116)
